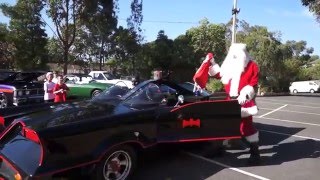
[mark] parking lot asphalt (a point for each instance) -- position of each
(289, 129)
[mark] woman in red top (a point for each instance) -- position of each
(60, 90)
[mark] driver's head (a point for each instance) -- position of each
(157, 74)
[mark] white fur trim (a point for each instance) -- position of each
(250, 111)
(253, 138)
(214, 69)
(248, 91)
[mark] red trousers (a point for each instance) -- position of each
(246, 126)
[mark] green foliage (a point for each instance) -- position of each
(27, 34)
(214, 85)
(279, 63)
(208, 37)
(314, 7)
(64, 14)
(6, 48)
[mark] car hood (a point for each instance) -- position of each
(73, 112)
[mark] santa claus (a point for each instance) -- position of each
(240, 75)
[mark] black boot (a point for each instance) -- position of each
(254, 154)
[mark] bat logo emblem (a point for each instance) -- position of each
(191, 123)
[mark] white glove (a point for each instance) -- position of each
(242, 99)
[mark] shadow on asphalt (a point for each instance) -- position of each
(275, 149)
(168, 163)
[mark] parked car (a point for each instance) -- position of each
(4, 74)
(22, 88)
(80, 87)
(304, 86)
(106, 77)
(104, 134)
(78, 78)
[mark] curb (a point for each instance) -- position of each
(290, 94)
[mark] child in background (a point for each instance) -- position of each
(48, 87)
(60, 90)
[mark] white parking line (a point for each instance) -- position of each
(286, 101)
(226, 166)
(313, 107)
(292, 111)
(273, 111)
(296, 122)
(285, 134)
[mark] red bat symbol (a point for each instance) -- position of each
(191, 123)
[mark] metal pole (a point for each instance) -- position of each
(235, 11)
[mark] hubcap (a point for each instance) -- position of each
(117, 166)
(96, 93)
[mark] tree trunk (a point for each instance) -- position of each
(100, 55)
(65, 61)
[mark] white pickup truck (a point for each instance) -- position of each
(106, 77)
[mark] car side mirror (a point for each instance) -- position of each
(180, 100)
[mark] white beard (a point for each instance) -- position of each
(232, 68)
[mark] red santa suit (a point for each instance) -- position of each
(240, 76)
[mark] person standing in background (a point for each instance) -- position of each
(55, 77)
(48, 87)
(60, 90)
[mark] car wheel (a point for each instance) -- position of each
(295, 91)
(118, 164)
(3, 101)
(312, 91)
(95, 93)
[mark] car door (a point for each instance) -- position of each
(199, 121)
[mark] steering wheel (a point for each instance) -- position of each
(153, 92)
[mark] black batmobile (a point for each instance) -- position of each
(103, 134)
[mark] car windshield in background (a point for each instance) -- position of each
(26, 76)
(109, 76)
(5, 75)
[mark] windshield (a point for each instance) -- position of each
(114, 92)
(109, 76)
(21, 76)
(5, 75)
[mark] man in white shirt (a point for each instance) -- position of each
(48, 88)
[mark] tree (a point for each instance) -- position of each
(126, 48)
(55, 50)
(134, 25)
(6, 48)
(208, 38)
(314, 7)
(27, 34)
(64, 14)
(162, 52)
(99, 20)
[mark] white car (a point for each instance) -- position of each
(106, 77)
(78, 78)
(304, 86)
